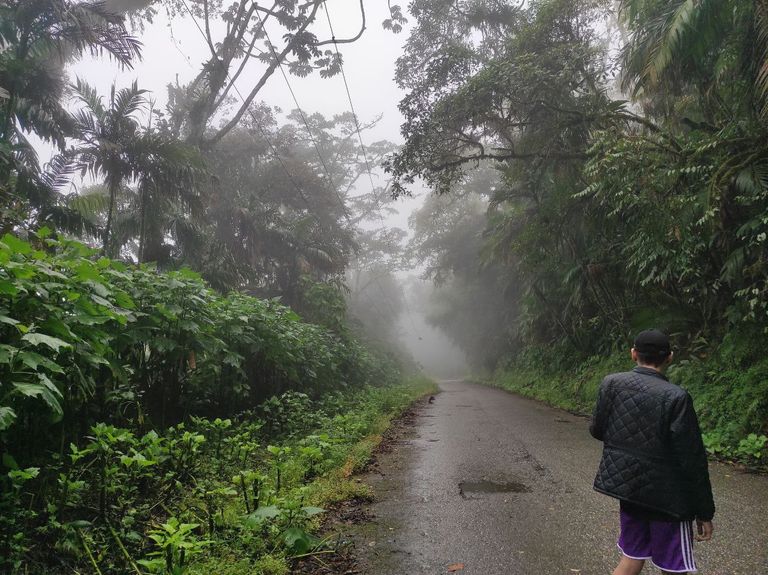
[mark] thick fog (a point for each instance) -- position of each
(432, 350)
(173, 53)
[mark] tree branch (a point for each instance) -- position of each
(224, 130)
(246, 57)
(354, 38)
(233, 79)
(543, 154)
(208, 29)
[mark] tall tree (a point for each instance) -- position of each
(242, 39)
(282, 205)
(113, 145)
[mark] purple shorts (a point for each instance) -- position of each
(669, 545)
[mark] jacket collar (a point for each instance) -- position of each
(649, 371)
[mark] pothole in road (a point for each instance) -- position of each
(478, 489)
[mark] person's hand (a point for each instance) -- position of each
(705, 529)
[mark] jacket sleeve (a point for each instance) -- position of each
(599, 415)
(689, 449)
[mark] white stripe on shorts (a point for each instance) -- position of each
(686, 540)
(690, 546)
(684, 543)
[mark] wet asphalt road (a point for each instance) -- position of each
(436, 505)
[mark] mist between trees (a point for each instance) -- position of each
(600, 168)
(183, 386)
(191, 339)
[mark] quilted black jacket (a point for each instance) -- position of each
(653, 454)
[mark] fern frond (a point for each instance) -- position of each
(674, 30)
(761, 29)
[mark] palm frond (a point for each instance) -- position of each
(761, 50)
(88, 95)
(89, 205)
(679, 22)
(88, 27)
(669, 39)
(128, 101)
(57, 174)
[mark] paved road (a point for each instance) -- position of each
(502, 484)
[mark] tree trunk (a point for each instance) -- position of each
(113, 188)
(143, 223)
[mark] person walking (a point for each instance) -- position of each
(653, 462)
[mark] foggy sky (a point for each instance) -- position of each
(431, 348)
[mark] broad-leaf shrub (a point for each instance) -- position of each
(87, 338)
(159, 502)
(96, 354)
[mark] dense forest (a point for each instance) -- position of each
(600, 168)
(187, 380)
(199, 300)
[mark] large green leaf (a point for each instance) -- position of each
(16, 245)
(310, 511)
(262, 514)
(8, 287)
(7, 417)
(44, 390)
(298, 541)
(34, 360)
(41, 339)
(7, 353)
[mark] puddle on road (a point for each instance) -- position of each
(478, 489)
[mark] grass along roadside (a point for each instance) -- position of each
(729, 387)
(368, 415)
(238, 496)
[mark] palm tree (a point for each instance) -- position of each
(168, 198)
(110, 141)
(113, 146)
(37, 38)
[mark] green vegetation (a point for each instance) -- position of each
(601, 168)
(149, 424)
(234, 495)
(729, 388)
(87, 337)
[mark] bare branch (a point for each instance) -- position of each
(354, 38)
(277, 61)
(509, 155)
(208, 38)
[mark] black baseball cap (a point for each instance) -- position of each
(653, 342)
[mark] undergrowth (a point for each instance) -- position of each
(227, 497)
(728, 382)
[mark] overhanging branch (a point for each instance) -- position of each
(354, 38)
